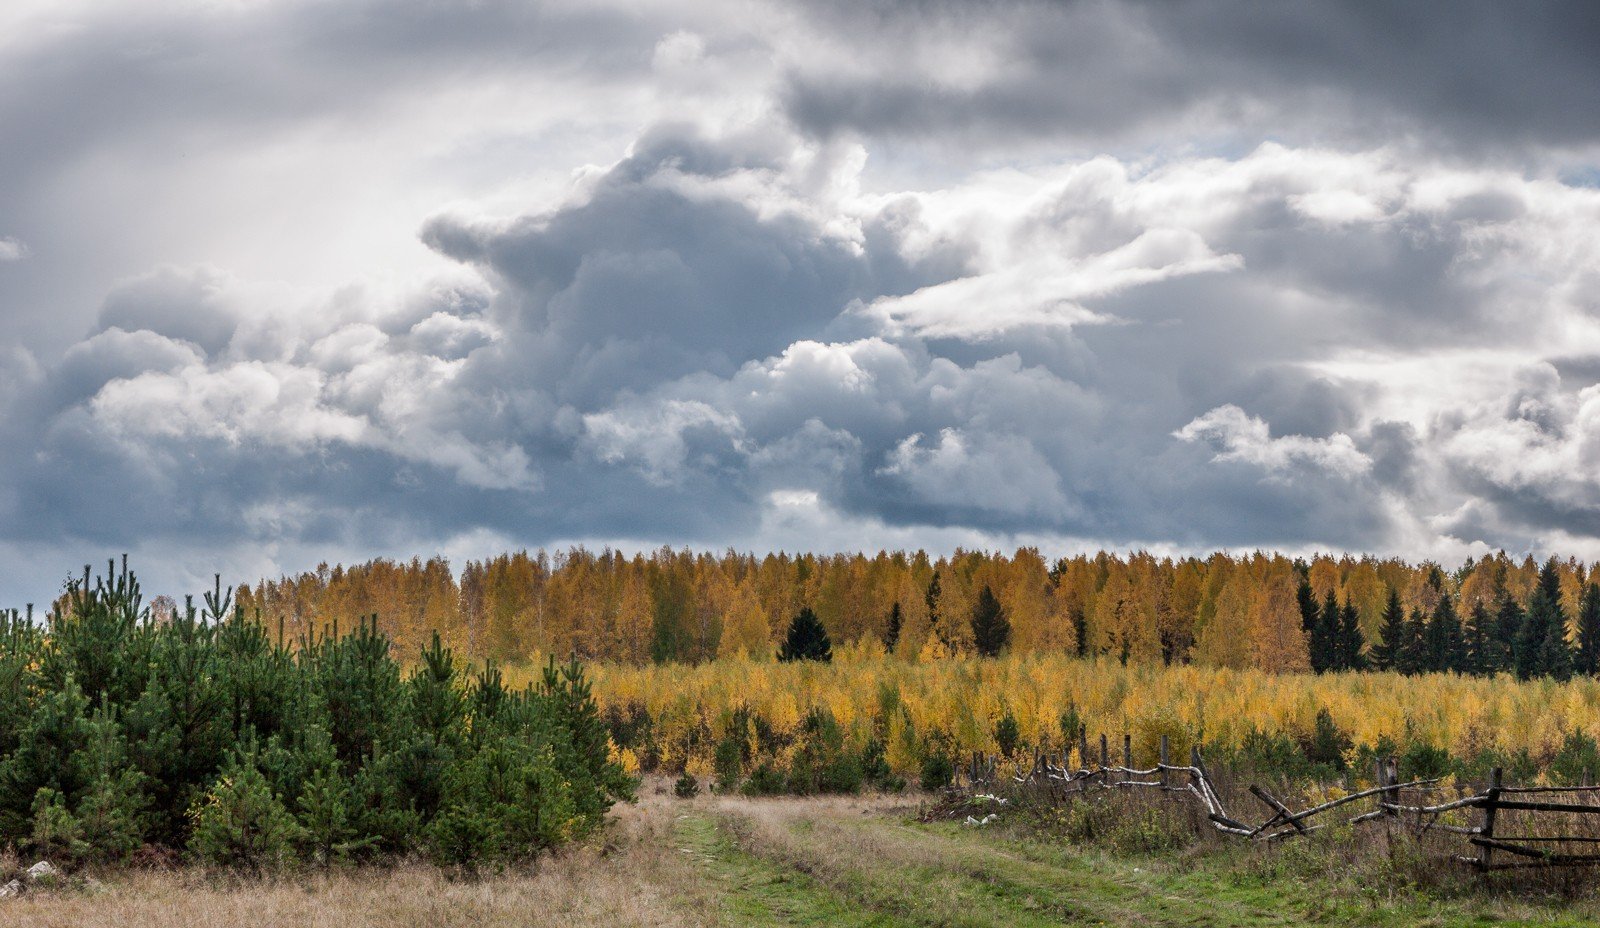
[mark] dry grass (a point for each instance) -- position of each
(633, 875)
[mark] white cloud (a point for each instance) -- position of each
(1248, 439)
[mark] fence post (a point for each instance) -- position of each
(1105, 753)
(1127, 751)
(1083, 746)
(1197, 775)
(1164, 756)
(1491, 801)
(1391, 784)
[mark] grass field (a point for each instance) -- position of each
(864, 861)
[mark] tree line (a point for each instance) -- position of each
(205, 732)
(1257, 610)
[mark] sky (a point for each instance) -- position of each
(285, 281)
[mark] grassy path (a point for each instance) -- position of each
(808, 864)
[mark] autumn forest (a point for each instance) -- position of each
(1259, 611)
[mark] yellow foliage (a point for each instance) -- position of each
(901, 702)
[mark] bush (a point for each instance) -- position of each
(875, 767)
(503, 803)
(937, 771)
(765, 780)
(1007, 734)
(687, 786)
(1327, 744)
(241, 824)
(729, 762)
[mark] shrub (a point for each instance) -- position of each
(765, 780)
(1007, 733)
(687, 787)
(1327, 744)
(241, 824)
(875, 768)
(729, 762)
(937, 771)
(503, 803)
(57, 833)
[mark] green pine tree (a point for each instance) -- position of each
(891, 631)
(991, 630)
(1552, 655)
(1588, 661)
(806, 639)
(1352, 642)
(1508, 621)
(1391, 634)
(1479, 642)
(1413, 653)
(1325, 636)
(1306, 599)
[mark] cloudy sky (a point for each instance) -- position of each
(285, 281)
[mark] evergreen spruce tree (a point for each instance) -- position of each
(991, 630)
(1325, 636)
(1479, 643)
(1306, 599)
(932, 600)
(1530, 640)
(891, 632)
(1554, 655)
(1351, 640)
(1443, 649)
(1508, 621)
(1413, 655)
(1391, 632)
(806, 639)
(1589, 630)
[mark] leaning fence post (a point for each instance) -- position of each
(1105, 753)
(1491, 800)
(1163, 762)
(1391, 785)
(1198, 774)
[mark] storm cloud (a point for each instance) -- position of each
(1071, 275)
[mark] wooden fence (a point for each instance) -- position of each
(1387, 803)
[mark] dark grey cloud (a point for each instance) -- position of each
(745, 327)
(1472, 75)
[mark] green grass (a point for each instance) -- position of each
(754, 891)
(882, 870)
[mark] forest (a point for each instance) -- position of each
(1260, 611)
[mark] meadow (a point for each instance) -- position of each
(857, 861)
(673, 717)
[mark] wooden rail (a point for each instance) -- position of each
(1051, 775)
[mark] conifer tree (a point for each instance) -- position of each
(1589, 630)
(1544, 641)
(806, 639)
(1306, 599)
(1413, 654)
(1386, 652)
(891, 631)
(991, 629)
(1509, 617)
(1325, 636)
(1442, 651)
(1479, 642)
(932, 599)
(1351, 640)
